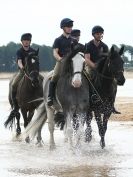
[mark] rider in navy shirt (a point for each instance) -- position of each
(96, 50)
(21, 54)
(61, 47)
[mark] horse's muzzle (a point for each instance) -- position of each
(121, 80)
(76, 83)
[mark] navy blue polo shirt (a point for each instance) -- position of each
(63, 44)
(95, 51)
(21, 54)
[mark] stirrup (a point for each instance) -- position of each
(95, 98)
(50, 102)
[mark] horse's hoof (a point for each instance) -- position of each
(27, 140)
(52, 147)
(102, 144)
(39, 144)
(88, 138)
(18, 131)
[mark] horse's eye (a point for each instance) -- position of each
(33, 60)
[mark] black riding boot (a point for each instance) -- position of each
(51, 93)
(14, 101)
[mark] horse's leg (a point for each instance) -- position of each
(88, 130)
(24, 114)
(69, 130)
(39, 137)
(51, 123)
(65, 133)
(80, 128)
(75, 122)
(100, 128)
(30, 115)
(105, 122)
(18, 129)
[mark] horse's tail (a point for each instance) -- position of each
(59, 120)
(11, 119)
(40, 118)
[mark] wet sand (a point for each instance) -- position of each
(125, 106)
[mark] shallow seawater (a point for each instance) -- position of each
(23, 160)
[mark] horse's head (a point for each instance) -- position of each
(116, 65)
(78, 65)
(32, 67)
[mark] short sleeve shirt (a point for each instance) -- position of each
(63, 44)
(21, 54)
(95, 51)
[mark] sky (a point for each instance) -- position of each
(42, 19)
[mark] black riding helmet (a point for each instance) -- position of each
(66, 22)
(26, 36)
(97, 29)
(75, 33)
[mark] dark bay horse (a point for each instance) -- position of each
(108, 74)
(72, 94)
(29, 88)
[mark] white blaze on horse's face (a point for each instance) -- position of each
(33, 60)
(78, 62)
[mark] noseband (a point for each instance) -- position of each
(77, 72)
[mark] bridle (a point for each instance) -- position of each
(77, 72)
(113, 75)
(28, 75)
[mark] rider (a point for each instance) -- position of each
(61, 47)
(21, 54)
(75, 34)
(95, 50)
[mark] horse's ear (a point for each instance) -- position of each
(112, 49)
(121, 50)
(37, 51)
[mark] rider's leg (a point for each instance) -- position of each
(41, 77)
(53, 82)
(14, 86)
(94, 96)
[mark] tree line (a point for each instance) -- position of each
(8, 57)
(47, 61)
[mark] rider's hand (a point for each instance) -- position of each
(23, 69)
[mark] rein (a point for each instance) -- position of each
(28, 75)
(93, 86)
(102, 75)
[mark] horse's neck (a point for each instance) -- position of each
(25, 83)
(103, 81)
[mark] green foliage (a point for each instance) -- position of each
(8, 57)
(47, 61)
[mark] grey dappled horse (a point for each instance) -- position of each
(72, 93)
